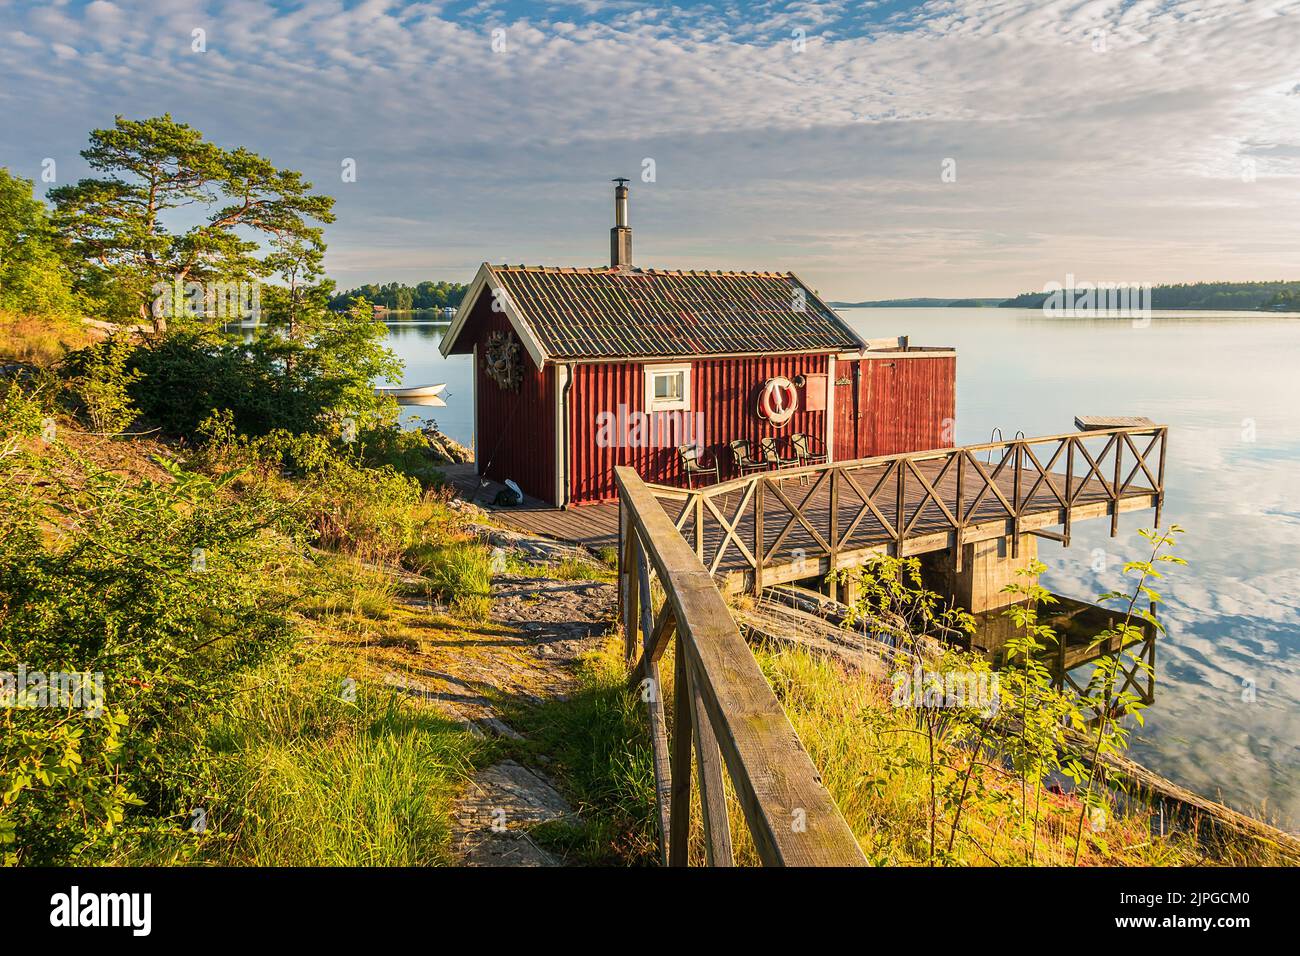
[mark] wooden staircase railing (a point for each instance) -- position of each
(724, 710)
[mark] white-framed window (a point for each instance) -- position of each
(667, 388)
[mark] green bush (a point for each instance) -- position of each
(349, 505)
(168, 589)
(271, 383)
(98, 379)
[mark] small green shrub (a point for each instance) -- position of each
(456, 569)
(99, 380)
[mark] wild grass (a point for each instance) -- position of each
(319, 769)
(871, 758)
(458, 572)
(577, 569)
(594, 743)
(874, 762)
(39, 340)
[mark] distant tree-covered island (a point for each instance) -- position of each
(396, 297)
(1279, 296)
(919, 303)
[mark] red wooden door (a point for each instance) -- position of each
(847, 390)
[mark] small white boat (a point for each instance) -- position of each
(413, 391)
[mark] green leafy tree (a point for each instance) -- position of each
(301, 303)
(33, 277)
(117, 225)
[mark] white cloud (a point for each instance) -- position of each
(1101, 163)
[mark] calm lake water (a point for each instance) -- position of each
(1226, 721)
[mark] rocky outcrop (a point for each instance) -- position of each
(445, 448)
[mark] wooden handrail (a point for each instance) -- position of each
(1034, 488)
(731, 484)
(724, 707)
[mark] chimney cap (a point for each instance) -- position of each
(621, 180)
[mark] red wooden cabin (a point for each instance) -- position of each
(578, 370)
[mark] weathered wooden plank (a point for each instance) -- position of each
(679, 823)
(713, 798)
(660, 756)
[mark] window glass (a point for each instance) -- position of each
(668, 386)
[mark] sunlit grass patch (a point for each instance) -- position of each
(597, 749)
(319, 768)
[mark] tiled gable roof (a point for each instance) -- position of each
(597, 313)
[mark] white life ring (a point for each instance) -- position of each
(778, 401)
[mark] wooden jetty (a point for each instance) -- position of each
(908, 504)
(800, 523)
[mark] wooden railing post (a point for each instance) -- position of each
(834, 532)
(1119, 476)
(900, 489)
(629, 587)
(713, 798)
(680, 810)
(1069, 493)
(699, 527)
(758, 534)
(1018, 506)
(1160, 479)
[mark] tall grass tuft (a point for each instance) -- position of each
(459, 572)
(310, 777)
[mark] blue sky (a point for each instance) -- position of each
(1138, 140)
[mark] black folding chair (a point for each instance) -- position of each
(740, 455)
(688, 455)
(772, 453)
(802, 446)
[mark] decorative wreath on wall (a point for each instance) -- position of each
(503, 360)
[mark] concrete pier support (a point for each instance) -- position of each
(986, 568)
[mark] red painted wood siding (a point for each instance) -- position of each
(515, 429)
(904, 404)
(725, 391)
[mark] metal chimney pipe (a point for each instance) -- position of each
(620, 202)
(620, 237)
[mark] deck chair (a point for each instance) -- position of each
(744, 462)
(802, 446)
(688, 455)
(772, 454)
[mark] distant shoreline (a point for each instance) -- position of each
(1279, 296)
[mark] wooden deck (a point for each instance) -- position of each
(792, 524)
(592, 526)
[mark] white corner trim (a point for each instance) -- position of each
(561, 451)
(830, 409)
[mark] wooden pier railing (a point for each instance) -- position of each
(795, 523)
(724, 710)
